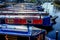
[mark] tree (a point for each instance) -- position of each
(33, 1)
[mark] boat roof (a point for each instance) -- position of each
(22, 8)
(23, 12)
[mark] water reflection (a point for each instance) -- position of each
(54, 11)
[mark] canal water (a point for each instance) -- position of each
(50, 8)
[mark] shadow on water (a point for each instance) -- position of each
(47, 28)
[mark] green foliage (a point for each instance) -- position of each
(33, 1)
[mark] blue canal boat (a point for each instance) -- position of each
(20, 30)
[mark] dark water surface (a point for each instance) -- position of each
(56, 27)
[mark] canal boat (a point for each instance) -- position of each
(25, 14)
